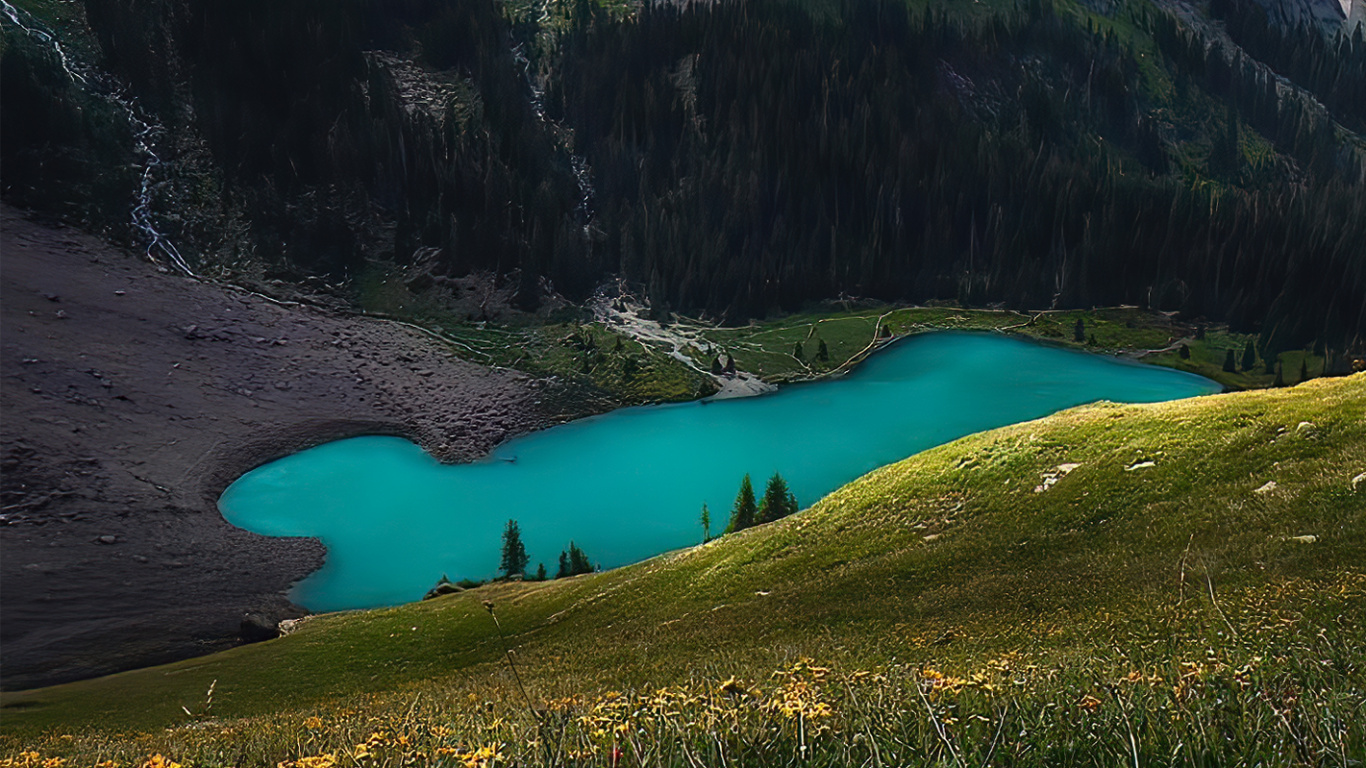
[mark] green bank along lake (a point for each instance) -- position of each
(630, 484)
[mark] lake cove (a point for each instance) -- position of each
(630, 484)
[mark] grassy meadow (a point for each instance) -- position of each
(606, 359)
(1179, 583)
(769, 348)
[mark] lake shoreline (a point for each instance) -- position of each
(133, 397)
(393, 519)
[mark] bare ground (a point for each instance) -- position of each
(130, 398)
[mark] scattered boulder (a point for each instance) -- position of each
(1267, 488)
(1359, 481)
(1051, 477)
(288, 626)
(444, 588)
(106, 539)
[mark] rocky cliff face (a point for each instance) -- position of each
(1332, 17)
(1356, 16)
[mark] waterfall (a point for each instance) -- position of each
(578, 163)
(43, 35)
(145, 133)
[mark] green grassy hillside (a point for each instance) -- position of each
(1181, 582)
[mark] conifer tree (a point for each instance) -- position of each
(578, 560)
(742, 515)
(797, 352)
(778, 501)
(1280, 377)
(706, 524)
(1249, 356)
(1184, 352)
(1304, 370)
(729, 370)
(514, 553)
(540, 572)
(823, 352)
(564, 566)
(1230, 363)
(1079, 331)
(716, 369)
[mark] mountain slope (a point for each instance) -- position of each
(736, 158)
(1105, 537)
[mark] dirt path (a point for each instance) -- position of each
(130, 398)
(625, 313)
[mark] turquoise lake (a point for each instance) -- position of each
(630, 484)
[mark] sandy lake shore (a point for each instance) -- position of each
(131, 397)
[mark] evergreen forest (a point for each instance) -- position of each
(734, 159)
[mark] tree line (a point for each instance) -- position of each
(514, 561)
(747, 158)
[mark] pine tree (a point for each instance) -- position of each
(540, 572)
(1249, 356)
(1280, 377)
(706, 524)
(1304, 370)
(716, 369)
(743, 513)
(1230, 363)
(514, 553)
(564, 566)
(823, 352)
(797, 352)
(578, 561)
(729, 370)
(776, 501)
(1184, 352)
(1079, 331)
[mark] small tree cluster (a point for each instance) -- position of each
(573, 562)
(778, 502)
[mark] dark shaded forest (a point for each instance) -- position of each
(747, 158)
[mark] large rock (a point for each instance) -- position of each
(257, 627)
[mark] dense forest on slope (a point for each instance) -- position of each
(741, 158)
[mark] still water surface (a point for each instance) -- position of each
(631, 483)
